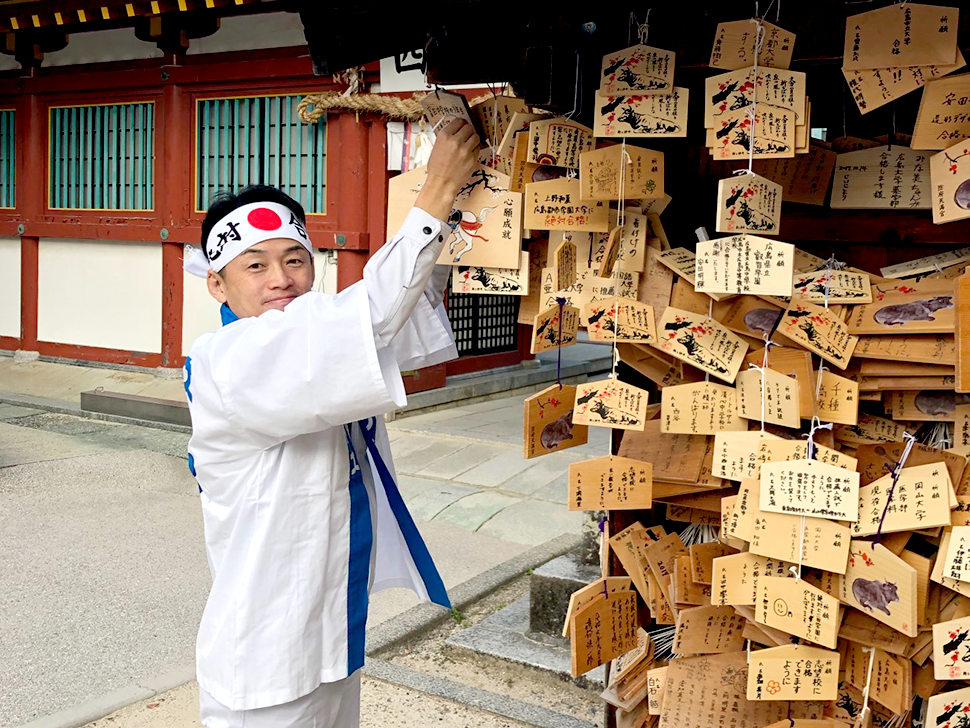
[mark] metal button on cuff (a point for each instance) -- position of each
(427, 231)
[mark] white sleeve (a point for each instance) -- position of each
(313, 366)
(406, 289)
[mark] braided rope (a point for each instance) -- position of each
(408, 109)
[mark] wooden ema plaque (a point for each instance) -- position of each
(942, 122)
(641, 115)
(745, 264)
(558, 142)
(904, 314)
(951, 649)
(947, 710)
(882, 178)
(819, 331)
(824, 543)
(556, 326)
(771, 133)
(564, 265)
(769, 395)
(748, 203)
(701, 342)
(810, 488)
(708, 630)
(556, 204)
(875, 87)
(642, 173)
(603, 630)
(835, 286)
(798, 608)
(697, 688)
(950, 183)
(793, 672)
(704, 408)
(481, 209)
(620, 320)
(961, 300)
(496, 281)
(881, 585)
(638, 68)
(838, 399)
(917, 35)
(441, 105)
(549, 422)
(610, 483)
(736, 577)
(805, 178)
(734, 45)
(780, 91)
(611, 403)
(581, 597)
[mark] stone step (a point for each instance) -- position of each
(550, 587)
(505, 635)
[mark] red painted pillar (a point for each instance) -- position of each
(172, 280)
(29, 269)
(174, 203)
(352, 181)
(32, 191)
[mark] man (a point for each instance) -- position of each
(302, 517)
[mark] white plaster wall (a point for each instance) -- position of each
(200, 311)
(248, 32)
(99, 46)
(9, 287)
(100, 294)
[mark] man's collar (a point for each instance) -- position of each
(227, 315)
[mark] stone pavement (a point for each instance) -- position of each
(464, 466)
(101, 552)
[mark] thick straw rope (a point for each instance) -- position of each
(409, 109)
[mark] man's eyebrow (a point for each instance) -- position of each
(294, 248)
(247, 251)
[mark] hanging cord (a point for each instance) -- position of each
(861, 720)
(643, 29)
(710, 315)
(620, 222)
(561, 302)
(604, 526)
(895, 470)
(764, 365)
(753, 111)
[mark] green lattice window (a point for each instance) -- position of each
(260, 140)
(8, 159)
(102, 157)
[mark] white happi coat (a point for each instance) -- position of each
(269, 397)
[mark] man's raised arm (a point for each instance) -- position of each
(397, 276)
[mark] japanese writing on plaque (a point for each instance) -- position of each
(745, 264)
(810, 488)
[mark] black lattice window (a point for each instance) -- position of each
(483, 323)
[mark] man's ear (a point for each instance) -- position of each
(217, 286)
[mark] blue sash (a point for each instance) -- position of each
(358, 570)
(416, 546)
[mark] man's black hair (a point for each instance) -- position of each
(225, 202)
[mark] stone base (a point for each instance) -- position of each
(505, 635)
(550, 587)
(22, 356)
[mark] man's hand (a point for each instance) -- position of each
(452, 161)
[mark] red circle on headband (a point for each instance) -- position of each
(262, 218)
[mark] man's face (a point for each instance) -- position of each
(268, 275)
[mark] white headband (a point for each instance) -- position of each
(240, 230)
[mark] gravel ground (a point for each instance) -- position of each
(430, 655)
(382, 706)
